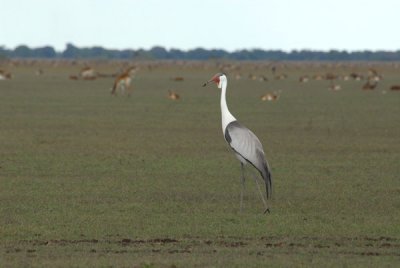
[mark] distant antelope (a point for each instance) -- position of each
(263, 78)
(280, 77)
(375, 78)
(369, 85)
(356, 76)
(87, 73)
(178, 79)
(318, 77)
(122, 83)
(395, 87)
(334, 87)
(252, 77)
(270, 97)
(5, 75)
(372, 72)
(330, 76)
(303, 79)
(173, 95)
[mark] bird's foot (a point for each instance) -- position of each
(267, 210)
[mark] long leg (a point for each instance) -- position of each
(129, 90)
(259, 190)
(113, 91)
(242, 190)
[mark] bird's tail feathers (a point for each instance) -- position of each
(266, 174)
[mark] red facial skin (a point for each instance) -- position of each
(216, 79)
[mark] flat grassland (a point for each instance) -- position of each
(88, 179)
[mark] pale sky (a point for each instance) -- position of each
(185, 24)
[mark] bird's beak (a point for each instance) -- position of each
(206, 83)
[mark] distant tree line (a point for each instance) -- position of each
(160, 53)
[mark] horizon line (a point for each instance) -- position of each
(205, 48)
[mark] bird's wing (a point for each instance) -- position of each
(245, 143)
(249, 147)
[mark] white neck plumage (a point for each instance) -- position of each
(227, 117)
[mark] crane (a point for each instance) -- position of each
(244, 143)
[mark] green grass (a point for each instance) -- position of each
(87, 179)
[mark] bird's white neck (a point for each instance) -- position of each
(227, 117)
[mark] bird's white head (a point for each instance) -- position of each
(219, 79)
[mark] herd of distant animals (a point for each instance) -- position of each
(123, 80)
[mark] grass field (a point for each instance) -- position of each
(87, 179)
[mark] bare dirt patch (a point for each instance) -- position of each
(364, 249)
(360, 246)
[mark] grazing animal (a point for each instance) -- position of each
(334, 87)
(372, 72)
(280, 77)
(395, 87)
(123, 84)
(5, 75)
(369, 85)
(356, 76)
(252, 77)
(270, 97)
(246, 146)
(178, 79)
(87, 73)
(173, 95)
(303, 79)
(318, 77)
(330, 76)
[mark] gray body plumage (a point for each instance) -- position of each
(248, 149)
